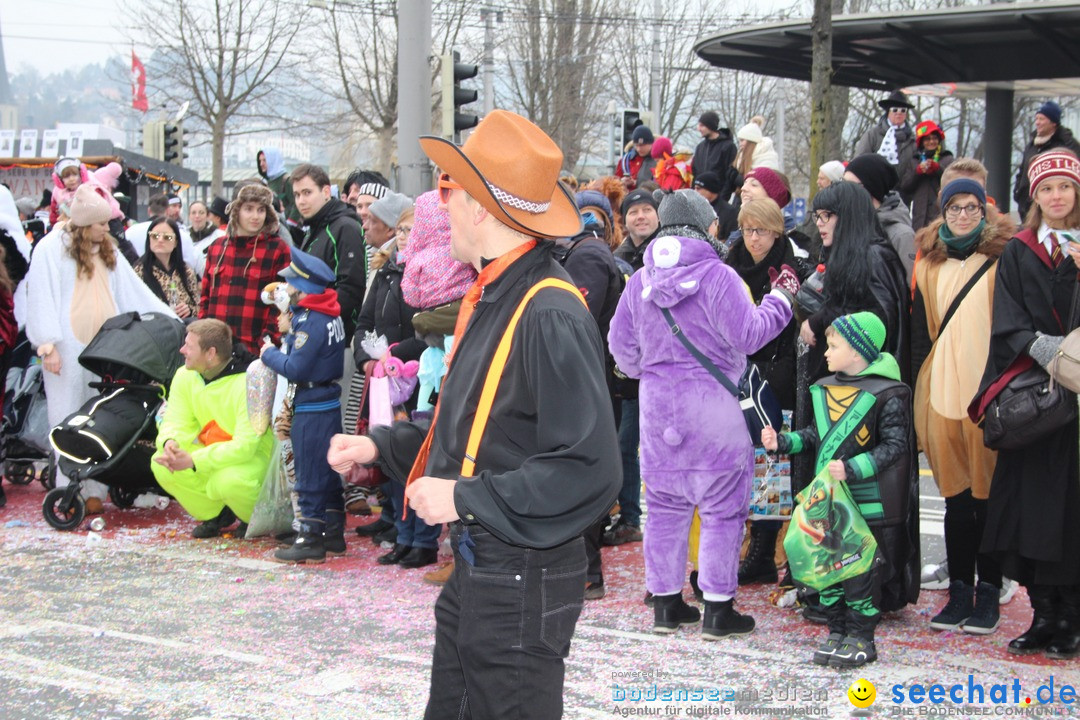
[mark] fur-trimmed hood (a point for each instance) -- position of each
(997, 231)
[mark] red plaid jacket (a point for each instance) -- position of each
(237, 269)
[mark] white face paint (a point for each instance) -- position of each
(665, 252)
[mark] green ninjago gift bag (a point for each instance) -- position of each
(828, 541)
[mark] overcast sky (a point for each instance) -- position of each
(55, 35)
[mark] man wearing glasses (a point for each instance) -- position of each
(520, 487)
(893, 137)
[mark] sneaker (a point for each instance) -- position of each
(827, 649)
(1008, 589)
(935, 577)
(620, 535)
(959, 608)
(986, 615)
(595, 590)
(853, 652)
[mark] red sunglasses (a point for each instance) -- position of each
(446, 185)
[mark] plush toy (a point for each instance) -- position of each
(402, 376)
(276, 294)
(431, 371)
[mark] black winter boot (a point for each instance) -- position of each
(1066, 642)
(308, 547)
(1044, 621)
(334, 539)
(758, 566)
(721, 620)
(670, 612)
(3, 496)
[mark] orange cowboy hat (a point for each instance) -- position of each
(511, 167)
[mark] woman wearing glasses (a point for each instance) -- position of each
(77, 281)
(862, 271)
(956, 278)
(164, 271)
(386, 313)
(764, 246)
(1035, 497)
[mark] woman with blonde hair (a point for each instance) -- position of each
(77, 281)
(755, 150)
(763, 246)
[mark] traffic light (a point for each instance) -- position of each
(454, 96)
(153, 140)
(630, 120)
(173, 143)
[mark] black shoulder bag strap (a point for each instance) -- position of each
(698, 355)
(955, 305)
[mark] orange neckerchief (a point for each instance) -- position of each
(487, 275)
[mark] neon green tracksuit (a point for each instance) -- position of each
(229, 472)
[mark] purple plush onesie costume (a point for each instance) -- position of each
(695, 448)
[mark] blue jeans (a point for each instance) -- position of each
(412, 531)
(629, 439)
(503, 625)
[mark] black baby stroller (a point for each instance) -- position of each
(24, 431)
(111, 437)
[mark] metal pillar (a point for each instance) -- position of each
(414, 94)
(998, 146)
(655, 70)
(488, 14)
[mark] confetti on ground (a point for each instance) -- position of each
(149, 623)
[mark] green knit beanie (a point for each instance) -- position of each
(864, 331)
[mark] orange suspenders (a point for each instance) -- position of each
(495, 371)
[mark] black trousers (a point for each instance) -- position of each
(503, 625)
(965, 521)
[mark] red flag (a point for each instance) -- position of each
(138, 84)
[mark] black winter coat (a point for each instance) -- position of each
(776, 360)
(386, 312)
(717, 156)
(334, 236)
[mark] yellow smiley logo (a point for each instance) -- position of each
(862, 693)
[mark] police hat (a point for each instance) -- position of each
(307, 273)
